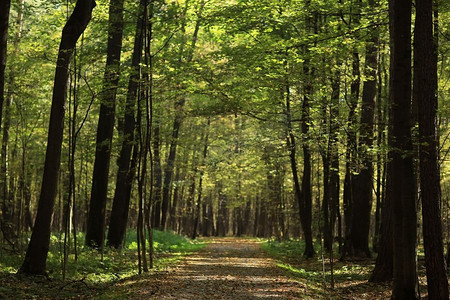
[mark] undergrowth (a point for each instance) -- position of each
(93, 272)
(350, 278)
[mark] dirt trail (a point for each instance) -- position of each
(228, 268)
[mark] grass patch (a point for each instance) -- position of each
(94, 272)
(350, 277)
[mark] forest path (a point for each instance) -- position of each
(228, 268)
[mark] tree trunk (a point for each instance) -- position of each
(36, 256)
(334, 158)
(168, 170)
(425, 81)
(362, 196)
(99, 192)
(6, 198)
(156, 201)
(381, 171)
(200, 183)
(305, 203)
(179, 112)
(5, 6)
(384, 264)
(350, 156)
(125, 173)
(325, 153)
(404, 206)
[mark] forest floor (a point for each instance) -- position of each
(232, 268)
(227, 268)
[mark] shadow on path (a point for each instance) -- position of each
(228, 268)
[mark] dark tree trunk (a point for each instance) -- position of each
(350, 155)
(380, 159)
(334, 159)
(179, 109)
(7, 222)
(325, 153)
(5, 6)
(262, 219)
(36, 256)
(177, 195)
(200, 183)
(425, 81)
(156, 201)
(351, 144)
(221, 224)
(362, 196)
(404, 206)
(305, 200)
(168, 170)
(125, 174)
(99, 192)
(205, 220)
(211, 216)
(300, 197)
(384, 264)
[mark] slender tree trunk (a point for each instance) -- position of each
(362, 196)
(199, 193)
(179, 109)
(334, 158)
(99, 192)
(325, 153)
(384, 264)
(305, 203)
(404, 206)
(380, 159)
(350, 156)
(5, 6)
(425, 81)
(125, 174)
(36, 256)
(156, 201)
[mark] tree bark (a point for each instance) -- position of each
(105, 127)
(362, 196)
(350, 156)
(157, 185)
(5, 6)
(334, 159)
(36, 256)
(200, 183)
(7, 207)
(125, 174)
(305, 199)
(404, 206)
(384, 264)
(425, 83)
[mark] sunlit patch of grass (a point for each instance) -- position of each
(349, 278)
(95, 271)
